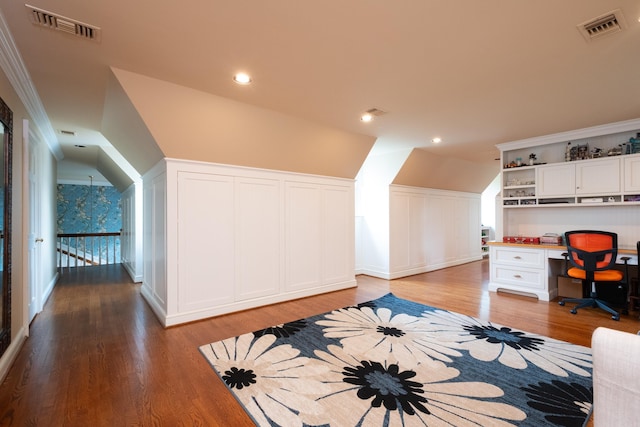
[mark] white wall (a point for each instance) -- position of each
(224, 238)
(624, 220)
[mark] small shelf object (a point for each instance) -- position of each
(485, 236)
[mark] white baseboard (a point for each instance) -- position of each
(10, 355)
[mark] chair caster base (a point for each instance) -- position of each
(574, 311)
(561, 303)
(616, 317)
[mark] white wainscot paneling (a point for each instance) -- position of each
(154, 284)
(205, 240)
(408, 231)
(338, 232)
(442, 230)
(303, 235)
(258, 249)
(432, 229)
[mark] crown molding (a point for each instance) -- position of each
(17, 74)
(606, 129)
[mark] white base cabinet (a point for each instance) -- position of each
(520, 270)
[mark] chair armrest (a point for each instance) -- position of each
(616, 379)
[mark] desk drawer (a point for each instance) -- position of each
(520, 277)
(534, 258)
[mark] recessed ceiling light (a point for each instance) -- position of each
(242, 78)
(436, 140)
(80, 146)
(366, 117)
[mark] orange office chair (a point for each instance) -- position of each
(592, 255)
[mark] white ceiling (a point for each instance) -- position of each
(476, 73)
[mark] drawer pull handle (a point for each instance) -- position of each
(517, 276)
(517, 257)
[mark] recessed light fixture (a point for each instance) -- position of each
(242, 78)
(366, 117)
(80, 146)
(436, 140)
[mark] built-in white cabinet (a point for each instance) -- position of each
(223, 238)
(431, 229)
(608, 169)
(587, 177)
(598, 177)
(597, 186)
(485, 236)
(520, 270)
(556, 180)
(632, 174)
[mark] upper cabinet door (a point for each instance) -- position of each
(601, 176)
(556, 180)
(632, 173)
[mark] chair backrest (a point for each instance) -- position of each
(592, 250)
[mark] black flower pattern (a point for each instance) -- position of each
(566, 404)
(239, 378)
(391, 331)
(284, 330)
(387, 386)
(507, 336)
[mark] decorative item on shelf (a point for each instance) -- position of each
(518, 161)
(615, 151)
(596, 153)
(578, 152)
(532, 158)
(634, 144)
(551, 239)
(521, 239)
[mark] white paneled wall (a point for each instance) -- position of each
(154, 247)
(131, 239)
(237, 238)
(432, 229)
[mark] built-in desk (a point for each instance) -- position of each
(530, 269)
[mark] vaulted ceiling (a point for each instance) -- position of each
(474, 73)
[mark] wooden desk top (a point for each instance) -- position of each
(556, 247)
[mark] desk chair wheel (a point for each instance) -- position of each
(561, 302)
(616, 317)
(574, 311)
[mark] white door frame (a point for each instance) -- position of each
(31, 204)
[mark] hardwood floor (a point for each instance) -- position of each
(97, 355)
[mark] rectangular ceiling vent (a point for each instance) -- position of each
(64, 24)
(376, 112)
(609, 23)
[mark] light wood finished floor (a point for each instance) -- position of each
(97, 356)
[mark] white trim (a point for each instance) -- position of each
(607, 129)
(17, 74)
(11, 353)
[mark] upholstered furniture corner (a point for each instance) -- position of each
(616, 378)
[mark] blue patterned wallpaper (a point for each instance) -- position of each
(88, 209)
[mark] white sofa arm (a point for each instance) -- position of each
(616, 378)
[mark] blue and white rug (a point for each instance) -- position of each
(393, 362)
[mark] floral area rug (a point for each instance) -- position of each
(393, 362)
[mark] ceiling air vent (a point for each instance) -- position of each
(376, 112)
(609, 23)
(64, 24)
